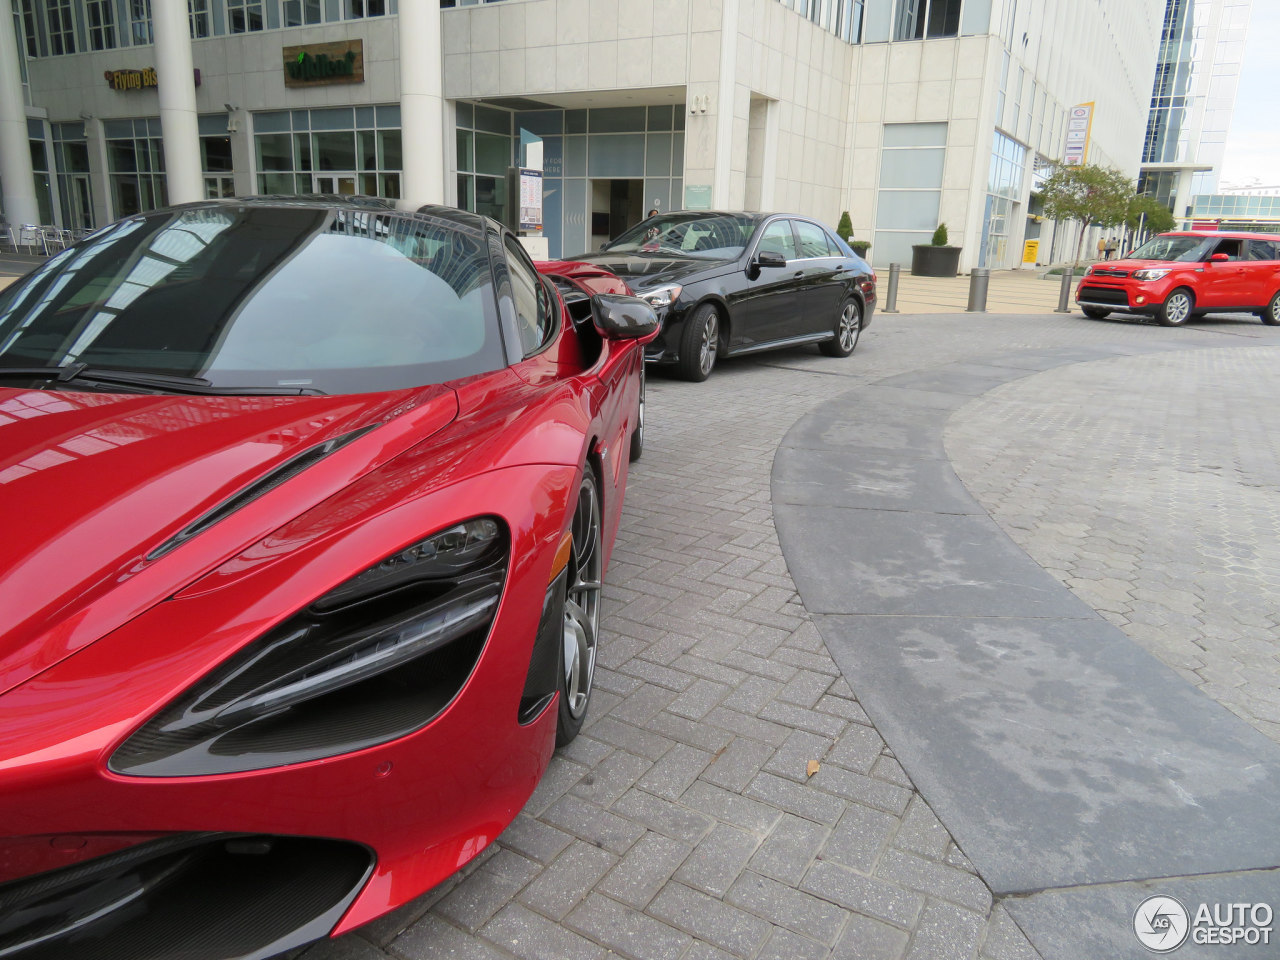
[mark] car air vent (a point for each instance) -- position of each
(286, 471)
(1110, 273)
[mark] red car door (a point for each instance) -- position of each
(1225, 283)
(1263, 266)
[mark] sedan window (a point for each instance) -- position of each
(713, 236)
(778, 238)
(813, 240)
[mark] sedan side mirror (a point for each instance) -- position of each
(1219, 258)
(623, 318)
(770, 258)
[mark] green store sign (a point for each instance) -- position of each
(318, 64)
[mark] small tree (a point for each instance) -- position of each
(1087, 193)
(1148, 213)
(940, 236)
(844, 229)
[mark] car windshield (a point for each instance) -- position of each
(307, 298)
(709, 236)
(1167, 247)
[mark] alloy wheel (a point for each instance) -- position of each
(582, 600)
(850, 327)
(709, 341)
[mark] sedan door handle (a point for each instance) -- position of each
(799, 274)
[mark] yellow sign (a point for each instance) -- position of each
(1030, 251)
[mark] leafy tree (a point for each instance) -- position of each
(844, 229)
(940, 236)
(1149, 214)
(1089, 194)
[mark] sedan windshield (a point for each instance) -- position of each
(709, 236)
(311, 299)
(1172, 248)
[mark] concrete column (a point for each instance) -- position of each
(16, 176)
(421, 104)
(1181, 198)
(725, 104)
(177, 91)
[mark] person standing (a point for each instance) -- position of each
(1102, 248)
(1112, 247)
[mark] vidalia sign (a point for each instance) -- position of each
(317, 64)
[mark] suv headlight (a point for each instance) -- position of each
(662, 296)
(1157, 273)
(375, 658)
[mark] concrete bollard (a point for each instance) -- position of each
(891, 296)
(1064, 294)
(979, 277)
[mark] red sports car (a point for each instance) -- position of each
(307, 507)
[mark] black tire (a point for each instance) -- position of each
(1271, 315)
(848, 328)
(1177, 307)
(699, 344)
(637, 433)
(581, 628)
(1096, 313)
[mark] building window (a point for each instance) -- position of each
(910, 193)
(140, 21)
(484, 154)
(1004, 191)
(102, 24)
(28, 30)
(917, 19)
(62, 31)
(40, 169)
(135, 165)
(75, 190)
(244, 16)
(357, 9)
(198, 11)
(329, 150)
(299, 13)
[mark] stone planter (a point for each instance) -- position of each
(930, 261)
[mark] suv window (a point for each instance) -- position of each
(778, 238)
(1231, 247)
(813, 239)
(530, 299)
(1263, 250)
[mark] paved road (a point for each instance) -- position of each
(682, 824)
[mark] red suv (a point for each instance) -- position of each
(1177, 276)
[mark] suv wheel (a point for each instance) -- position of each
(1176, 309)
(1271, 315)
(1096, 313)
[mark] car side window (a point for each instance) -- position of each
(778, 238)
(1230, 247)
(530, 298)
(813, 240)
(1263, 250)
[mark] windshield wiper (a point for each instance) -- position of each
(82, 372)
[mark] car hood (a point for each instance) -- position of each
(644, 271)
(1128, 266)
(99, 485)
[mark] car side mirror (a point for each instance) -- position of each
(618, 317)
(769, 258)
(1219, 258)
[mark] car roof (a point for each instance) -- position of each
(473, 223)
(1223, 234)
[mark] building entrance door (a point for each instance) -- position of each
(615, 206)
(343, 184)
(81, 202)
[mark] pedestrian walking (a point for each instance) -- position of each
(1112, 246)
(1102, 248)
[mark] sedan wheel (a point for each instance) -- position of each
(848, 329)
(581, 611)
(1176, 309)
(1271, 316)
(700, 343)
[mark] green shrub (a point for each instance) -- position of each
(940, 236)
(845, 227)
(860, 247)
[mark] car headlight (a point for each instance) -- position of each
(1158, 273)
(662, 296)
(375, 658)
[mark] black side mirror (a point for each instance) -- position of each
(770, 258)
(618, 317)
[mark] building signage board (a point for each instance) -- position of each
(1030, 251)
(1079, 125)
(530, 199)
(143, 79)
(320, 64)
(697, 196)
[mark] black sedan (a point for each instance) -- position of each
(726, 284)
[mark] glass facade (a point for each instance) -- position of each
(484, 143)
(907, 202)
(342, 150)
(135, 165)
(1004, 191)
(75, 188)
(40, 166)
(1235, 212)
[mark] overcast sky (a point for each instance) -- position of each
(1253, 145)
